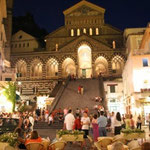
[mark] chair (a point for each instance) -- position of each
(91, 142)
(120, 139)
(59, 145)
(103, 143)
(134, 145)
(34, 146)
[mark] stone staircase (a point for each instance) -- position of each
(71, 98)
(44, 125)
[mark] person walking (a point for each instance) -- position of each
(95, 127)
(117, 123)
(139, 122)
(102, 123)
(69, 120)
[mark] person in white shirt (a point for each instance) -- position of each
(31, 119)
(69, 121)
(85, 122)
(117, 123)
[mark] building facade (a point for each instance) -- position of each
(85, 46)
(6, 73)
(136, 71)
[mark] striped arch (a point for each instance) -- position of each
(36, 68)
(118, 62)
(99, 55)
(68, 56)
(82, 43)
(68, 67)
(101, 66)
(52, 67)
(21, 68)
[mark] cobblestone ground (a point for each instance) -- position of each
(51, 133)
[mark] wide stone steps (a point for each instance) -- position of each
(44, 125)
(71, 98)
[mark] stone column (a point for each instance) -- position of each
(110, 68)
(28, 72)
(44, 71)
(60, 71)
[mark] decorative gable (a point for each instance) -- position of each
(84, 11)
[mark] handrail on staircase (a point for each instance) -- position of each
(59, 94)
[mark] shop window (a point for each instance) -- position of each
(97, 31)
(145, 62)
(112, 89)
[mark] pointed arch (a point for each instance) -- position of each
(51, 68)
(101, 66)
(68, 67)
(21, 68)
(36, 68)
(117, 64)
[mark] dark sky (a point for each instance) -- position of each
(122, 14)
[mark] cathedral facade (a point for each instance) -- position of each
(85, 46)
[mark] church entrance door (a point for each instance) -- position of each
(84, 61)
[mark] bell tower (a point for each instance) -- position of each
(8, 28)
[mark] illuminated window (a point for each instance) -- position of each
(90, 31)
(114, 44)
(72, 32)
(97, 31)
(84, 30)
(78, 32)
(145, 62)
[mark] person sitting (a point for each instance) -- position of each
(145, 146)
(21, 138)
(117, 146)
(34, 138)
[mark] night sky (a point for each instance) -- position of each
(122, 14)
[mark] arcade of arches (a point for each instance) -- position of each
(83, 66)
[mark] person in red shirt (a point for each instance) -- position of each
(79, 89)
(34, 138)
(77, 123)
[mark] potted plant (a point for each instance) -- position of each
(66, 135)
(10, 138)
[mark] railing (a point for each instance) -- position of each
(59, 94)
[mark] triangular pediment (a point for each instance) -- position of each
(98, 45)
(84, 8)
(22, 36)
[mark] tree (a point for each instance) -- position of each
(10, 93)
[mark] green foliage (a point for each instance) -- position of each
(10, 93)
(10, 138)
(65, 132)
(129, 131)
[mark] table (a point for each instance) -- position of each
(109, 147)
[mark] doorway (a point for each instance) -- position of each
(84, 61)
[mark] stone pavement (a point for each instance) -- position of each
(51, 133)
